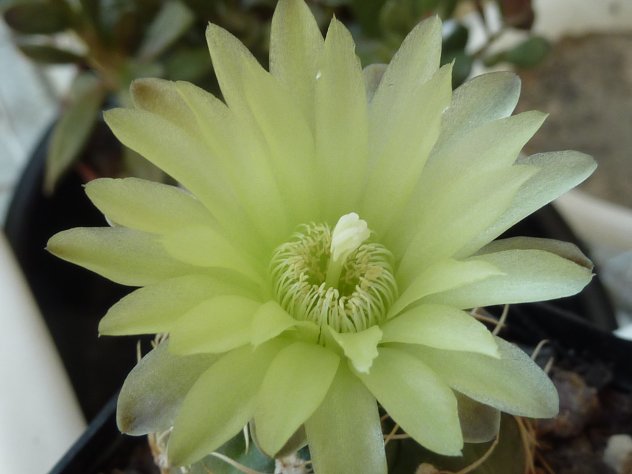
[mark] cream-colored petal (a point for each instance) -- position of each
(416, 398)
(217, 325)
(528, 275)
(558, 172)
(464, 207)
(295, 48)
(442, 327)
(160, 97)
(442, 276)
(279, 131)
(203, 246)
(341, 124)
(294, 386)
(373, 74)
(512, 383)
(157, 307)
(122, 255)
(345, 433)
(485, 98)
(399, 145)
(155, 388)
(145, 205)
(359, 347)
(220, 403)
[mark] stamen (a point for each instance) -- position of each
(364, 283)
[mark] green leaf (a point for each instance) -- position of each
(38, 17)
(527, 54)
(171, 22)
(74, 127)
(154, 389)
(49, 54)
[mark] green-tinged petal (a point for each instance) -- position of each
(294, 386)
(279, 132)
(153, 391)
(359, 347)
(345, 433)
(239, 152)
(217, 325)
(415, 62)
(513, 383)
(341, 151)
(295, 48)
(454, 216)
(161, 97)
(268, 322)
(145, 205)
(565, 250)
(483, 99)
(203, 246)
(442, 327)
(122, 255)
(414, 396)
(220, 403)
(479, 423)
(444, 275)
(558, 172)
(529, 275)
(186, 159)
(156, 307)
(399, 147)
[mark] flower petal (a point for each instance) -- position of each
(268, 322)
(153, 391)
(373, 74)
(341, 152)
(203, 246)
(558, 172)
(294, 386)
(156, 308)
(160, 97)
(513, 383)
(217, 325)
(295, 48)
(444, 275)
(277, 126)
(399, 148)
(145, 205)
(359, 347)
(479, 423)
(529, 275)
(462, 209)
(417, 399)
(220, 403)
(165, 145)
(415, 62)
(345, 433)
(442, 327)
(122, 255)
(480, 100)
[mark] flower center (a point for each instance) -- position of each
(336, 278)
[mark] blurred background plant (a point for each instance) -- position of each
(113, 42)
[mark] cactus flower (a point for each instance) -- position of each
(332, 228)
